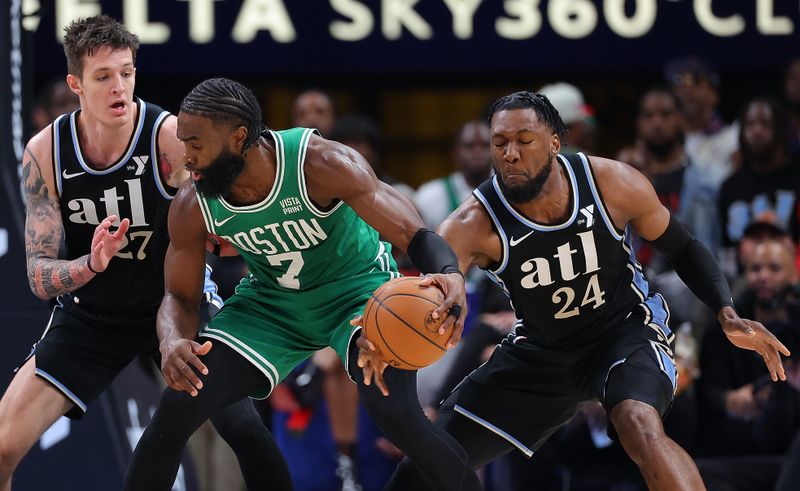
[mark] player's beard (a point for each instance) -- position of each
(218, 178)
(529, 190)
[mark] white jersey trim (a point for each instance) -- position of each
(301, 178)
(600, 203)
(280, 169)
(128, 152)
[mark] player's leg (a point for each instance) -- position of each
(76, 359)
(637, 396)
(29, 406)
(635, 379)
(400, 417)
(480, 444)
(157, 456)
(341, 398)
(260, 459)
(515, 401)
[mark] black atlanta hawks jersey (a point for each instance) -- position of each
(571, 282)
(130, 188)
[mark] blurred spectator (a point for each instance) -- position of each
(575, 113)
(792, 93)
(314, 109)
(766, 186)
(436, 199)
(710, 142)
(361, 133)
(55, 99)
(743, 413)
(660, 154)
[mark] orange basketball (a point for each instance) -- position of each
(397, 319)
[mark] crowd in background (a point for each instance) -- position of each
(734, 184)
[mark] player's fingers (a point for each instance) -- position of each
(446, 324)
(365, 344)
(195, 362)
(426, 280)
(356, 321)
(191, 376)
(455, 337)
(201, 349)
(777, 345)
(378, 375)
(776, 364)
(181, 383)
(106, 223)
(366, 370)
(122, 229)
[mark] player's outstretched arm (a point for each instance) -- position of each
(632, 199)
(184, 272)
(49, 276)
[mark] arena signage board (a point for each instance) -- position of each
(388, 35)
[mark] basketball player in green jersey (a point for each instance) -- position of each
(305, 213)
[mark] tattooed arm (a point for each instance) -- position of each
(48, 276)
(170, 154)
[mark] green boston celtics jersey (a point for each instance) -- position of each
(286, 241)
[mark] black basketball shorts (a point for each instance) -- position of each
(524, 393)
(81, 353)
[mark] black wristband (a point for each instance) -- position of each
(452, 269)
(89, 264)
(430, 253)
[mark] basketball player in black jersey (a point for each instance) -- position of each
(106, 166)
(554, 231)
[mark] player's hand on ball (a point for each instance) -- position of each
(370, 363)
(178, 356)
(454, 307)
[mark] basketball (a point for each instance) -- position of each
(397, 320)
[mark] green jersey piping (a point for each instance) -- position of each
(301, 160)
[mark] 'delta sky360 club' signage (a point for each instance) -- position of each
(387, 35)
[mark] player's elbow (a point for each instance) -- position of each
(37, 289)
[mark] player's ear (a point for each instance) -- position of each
(555, 144)
(74, 84)
(237, 138)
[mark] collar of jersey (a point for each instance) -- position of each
(134, 140)
(276, 186)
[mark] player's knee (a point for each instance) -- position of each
(639, 427)
(239, 421)
(176, 414)
(10, 455)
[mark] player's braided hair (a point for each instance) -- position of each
(530, 100)
(222, 99)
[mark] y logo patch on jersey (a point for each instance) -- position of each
(141, 162)
(588, 213)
